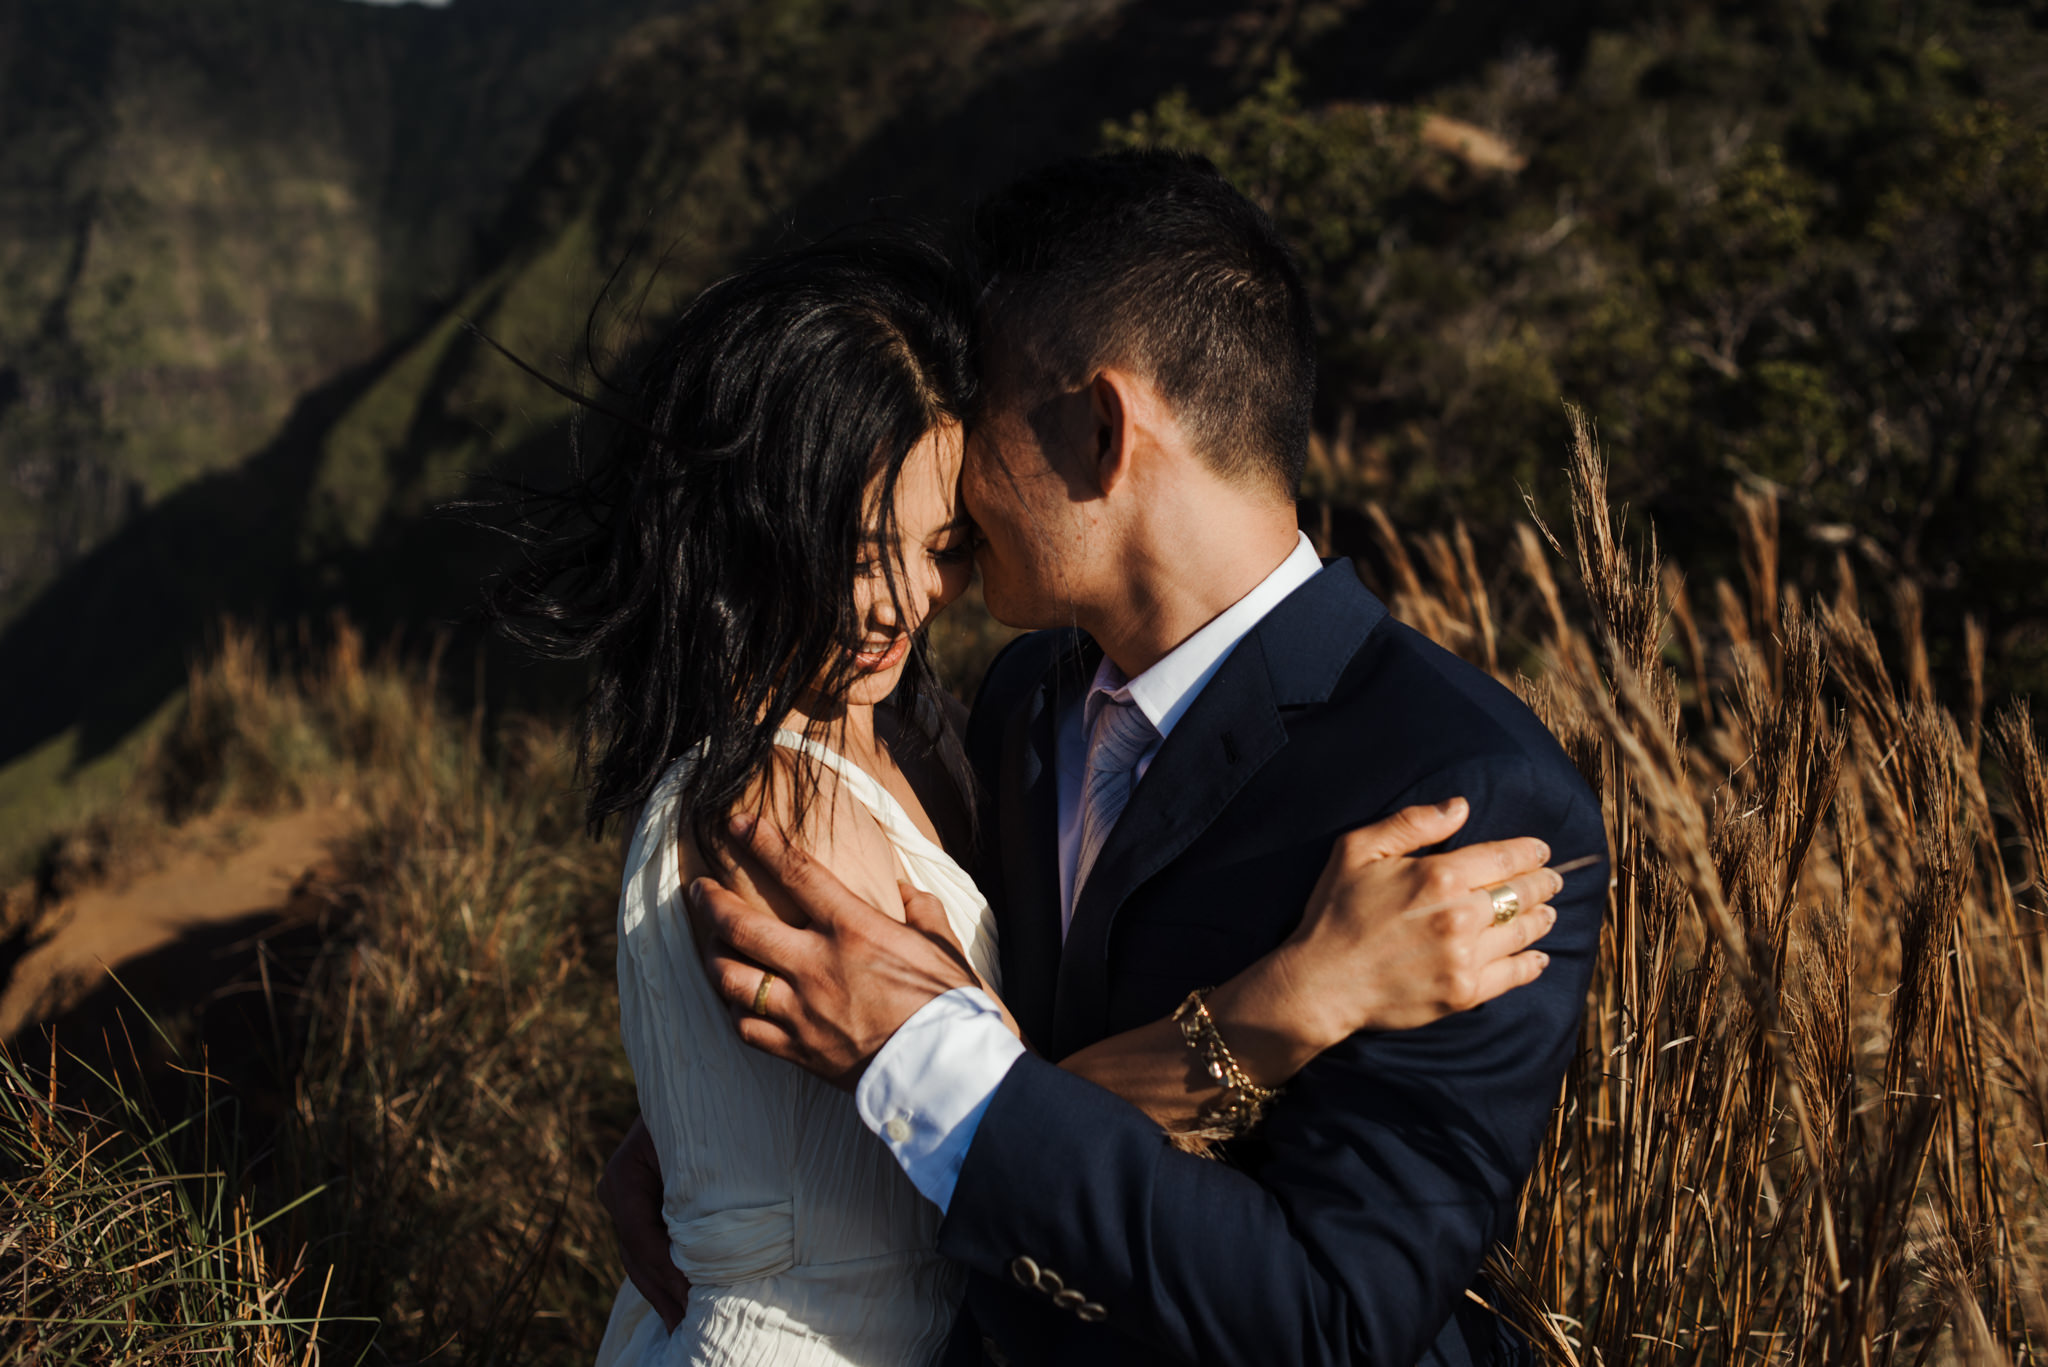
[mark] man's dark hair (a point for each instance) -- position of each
(1149, 259)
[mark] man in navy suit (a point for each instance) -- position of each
(1167, 768)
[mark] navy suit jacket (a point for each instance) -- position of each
(1349, 1226)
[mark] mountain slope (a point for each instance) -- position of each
(209, 206)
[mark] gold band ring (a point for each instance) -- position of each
(761, 993)
(1506, 902)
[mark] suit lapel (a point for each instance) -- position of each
(1029, 821)
(1292, 658)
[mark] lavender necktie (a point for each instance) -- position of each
(1121, 736)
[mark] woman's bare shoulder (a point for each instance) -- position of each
(821, 816)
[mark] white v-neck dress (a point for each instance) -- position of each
(805, 1244)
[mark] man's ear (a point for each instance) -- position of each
(1115, 434)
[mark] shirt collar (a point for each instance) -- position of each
(1166, 690)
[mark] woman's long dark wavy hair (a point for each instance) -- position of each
(706, 565)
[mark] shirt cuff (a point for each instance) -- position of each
(925, 1092)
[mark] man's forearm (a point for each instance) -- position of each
(1192, 1256)
(925, 1091)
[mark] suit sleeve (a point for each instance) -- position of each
(1374, 1189)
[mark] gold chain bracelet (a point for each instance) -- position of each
(1243, 1101)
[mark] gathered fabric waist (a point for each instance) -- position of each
(751, 1244)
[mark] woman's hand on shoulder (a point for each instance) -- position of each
(1393, 940)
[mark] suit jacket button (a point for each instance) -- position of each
(1049, 1281)
(1092, 1313)
(1025, 1271)
(1068, 1299)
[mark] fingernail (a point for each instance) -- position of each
(693, 896)
(1550, 916)
(1542, 853)
(1542, 959)
(741, 825)
(1450, 806)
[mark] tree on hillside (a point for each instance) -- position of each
(1799, 252)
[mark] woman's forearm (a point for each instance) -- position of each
(1387, 942)
(1153, 1068)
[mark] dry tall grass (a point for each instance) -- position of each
(427, 1080)
(114, 1250)
(457, 1069)
(1808, 1125)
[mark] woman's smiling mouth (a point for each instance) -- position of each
(876, 660)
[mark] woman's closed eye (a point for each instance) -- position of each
(955, 545)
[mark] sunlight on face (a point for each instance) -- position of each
(1033, 543)
(930, 558)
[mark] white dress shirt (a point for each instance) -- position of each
(926, 1090)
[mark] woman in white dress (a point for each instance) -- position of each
(750, 572)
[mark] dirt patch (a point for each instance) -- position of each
(227, 871)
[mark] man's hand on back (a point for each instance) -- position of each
(843, 983)
(631, 1191)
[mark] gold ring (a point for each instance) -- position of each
(761, 993)
(1506, 902)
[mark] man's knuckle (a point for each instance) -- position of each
(722, 919)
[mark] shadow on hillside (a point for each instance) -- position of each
(201, 1040)
(939, 160)
(216, 991)
(104, 646)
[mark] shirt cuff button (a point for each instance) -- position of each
(897, 1131)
